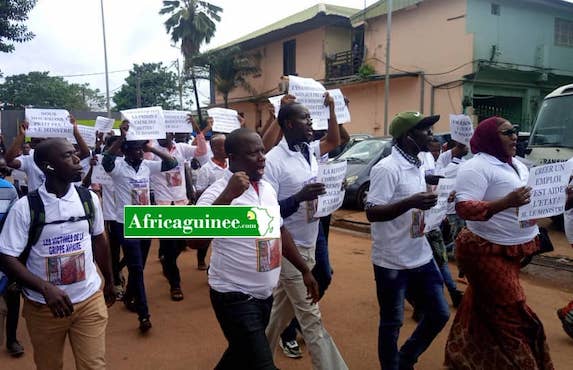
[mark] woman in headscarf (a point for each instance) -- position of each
(494, 328)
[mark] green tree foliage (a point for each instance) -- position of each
(229, 70)
(192, 22)
(38, 89)
(12, 14)
(157, 86)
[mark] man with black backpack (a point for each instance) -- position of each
(50, 243)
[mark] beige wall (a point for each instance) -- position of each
(310, 62)
(424, 40)
(337, 39)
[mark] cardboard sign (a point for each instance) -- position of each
(224, 120)
(310, 93)
(548, 184)
(332, 176)
(88, 134)
(276, 102)
(104, 124)
(145, 123)
(48, 123)
(176, 121)
(340, 107)
(434, 216)
(461, 128)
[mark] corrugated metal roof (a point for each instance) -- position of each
(380, 8)
(305, 15)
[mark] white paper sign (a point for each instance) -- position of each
(340, 108)
(176, 121)
(310, 93)
(224, 120)
(104, 124)
(276, 102)
(548, 183)
(99, 176)
(145, 123)
(48, 123)
(331, 175)
(88, 134)
(434, 216)
(461, 128)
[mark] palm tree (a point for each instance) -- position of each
(229, 70)
(192, 22)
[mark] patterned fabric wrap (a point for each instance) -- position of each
(438, 246)
(494, 328)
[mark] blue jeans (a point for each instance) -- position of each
(243, 320)
(135, 252)
(425, 286)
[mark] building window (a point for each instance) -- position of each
(563, 32)
(289, 57)
(495, 9)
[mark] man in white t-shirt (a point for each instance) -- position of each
(60, 278)
(130, 176)
(292, 170)
(170, 188)
(26, 162)
(207, 175)
(244, 271)
(401, 255)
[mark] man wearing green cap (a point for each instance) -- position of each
(401, 255)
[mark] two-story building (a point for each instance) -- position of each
(486, 57)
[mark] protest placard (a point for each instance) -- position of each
(176, 121)
(145, 123)
(340, 108)
(99, 176)
(48, 123)
(310, 93)
(276, 102)
(224, 120)
(332, 176)
(104, 124)
(434, 216)
(548, 184)
(461, 128)
(88, 134)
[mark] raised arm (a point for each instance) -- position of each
(16, 148)
(84, 149)
(332, 138)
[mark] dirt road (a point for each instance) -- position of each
(186, 334)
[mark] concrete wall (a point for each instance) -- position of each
(524, 33)
(310, 61)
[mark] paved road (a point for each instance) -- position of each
(186, 334)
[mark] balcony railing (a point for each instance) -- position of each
(344, 63)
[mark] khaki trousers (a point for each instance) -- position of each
(85, 328)
(290, 301)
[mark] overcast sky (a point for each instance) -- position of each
(69, 38)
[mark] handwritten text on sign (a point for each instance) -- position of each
(461, 128)
(310, 93)
(224, 120)
(104, 124)
(548, 183)
(340, 108)
(48, 123)
(176, 121)
(331, 175)
(145, 123)
(434, 216)
(88, 134)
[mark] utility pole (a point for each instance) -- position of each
(387, 78)
(105, 58)
(138, 90)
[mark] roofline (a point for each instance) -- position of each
(324, 15)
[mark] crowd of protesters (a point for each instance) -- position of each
(261, 306)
